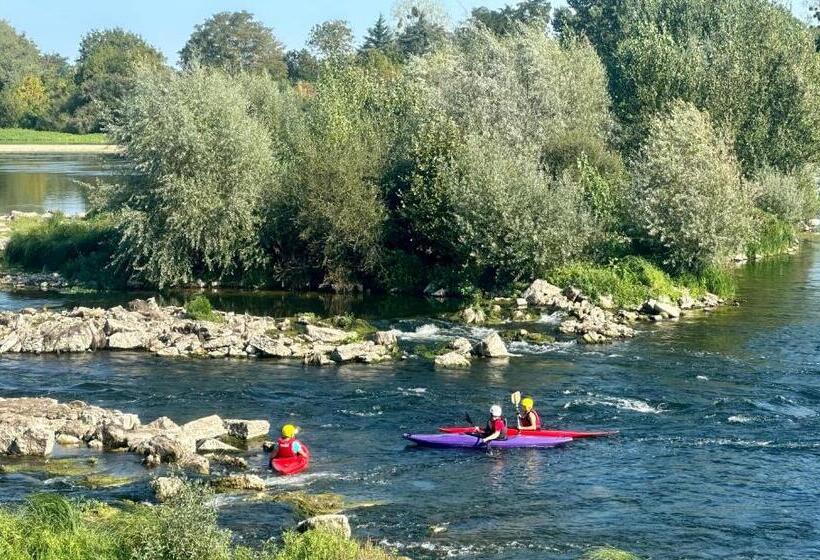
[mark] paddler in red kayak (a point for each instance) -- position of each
(528, 420)
(288, 446)
(496, 426)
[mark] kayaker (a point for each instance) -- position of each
(288, 446)
(529, 419)
(496, 426)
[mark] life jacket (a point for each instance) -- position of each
(284, 449)
(524, 419)
(490, 429)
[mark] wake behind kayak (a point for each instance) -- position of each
(467, 441)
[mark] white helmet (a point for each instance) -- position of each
(495, 410)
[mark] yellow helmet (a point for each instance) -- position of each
(527, 403)
(289, 430)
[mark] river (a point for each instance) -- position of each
(717, 455)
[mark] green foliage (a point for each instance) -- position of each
(687, 198)
(379, 37)
(772, 236)
(421, 27)
(80, 249)
(302, 66)
(657, 51)
(508, 19)
(792, 198)
(205, 174)
(234, 42)
(28, 136)
(323, 545)
(200, 309)
(309, 505)
(332, 40)
(107, 71)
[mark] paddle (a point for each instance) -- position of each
(469, 420)
(515, 398)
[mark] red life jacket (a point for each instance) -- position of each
(493, 427)
(524, 420)
(284, 448)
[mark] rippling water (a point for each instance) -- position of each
(718, 455)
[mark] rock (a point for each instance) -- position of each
(673, 311)
(359, 351)
(270, 347)
(95, 444)
(163, 423)
(492, 346)
(239, 482)
(112, 436)
(334, 523)
(247, 429)
(166, 487)
(205, 428)
(540, 293)
(606, 302)
(71, 336)
(386, 338)
(472, 316)
(67, 440)
(213, 445)
(711, 300)
(126, 341)
(195, 463)
(152, 461)
(327, 334)
(521, 303)
(170, 352)
(147, 308)
(452, 360)
(169, 449)
(572, 293)
(462, 345)
(317, 359)
(33, 441)
(228, 460)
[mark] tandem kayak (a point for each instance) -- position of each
(291, 465)
(467, 441)
(531, 433)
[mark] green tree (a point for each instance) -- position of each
(688, 201)
(19, 58)
(234, 42)
(331, 40)
(204, 175)
(507, 19)
(106, 72)
(302, 66)
(656, 51)
(379, 37)
(422, 27)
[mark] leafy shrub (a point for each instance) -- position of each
(792, 198)
(80, 249)
(323, 545)
(687, 199)
(204, 169)
(200, 309)
(772, 236)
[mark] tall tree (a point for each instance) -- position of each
(508, 18)
(302, 66)
(331, 40)
(379, 37)
(106, 73)
(422, 27)
(18, 55)
(234, 42)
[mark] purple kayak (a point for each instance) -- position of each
(467, 441)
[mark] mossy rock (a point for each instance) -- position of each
(609, 553)
(51, 467)
(527, 336)
(100, 480)
(309, 505)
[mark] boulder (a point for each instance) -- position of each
(386, 338)
(317, 359)
(492, 346)
(228, 460)
(267, 346)
(333, 523)
(359, 351)
(169, 449)
(148, 308)
(163, 423)
(126, 341)
(572, 293)
(606, 302)
(166, 487)
(214, 445)
(327, 334)
(452, 360)
(196, 463)
(32, 441)
(540, 293)
(472, 316)
(686, 302)
(205, 428)
(71, 336)
(247, 429)
(673, 311)
(67, 440)
(239, 482)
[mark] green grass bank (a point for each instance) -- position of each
(41, 137)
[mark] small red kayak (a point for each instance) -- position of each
(291, 465)
(541, 433)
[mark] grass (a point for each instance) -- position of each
(774, 237)
(200, 309)
(28, 136)
(633, 280)
(52, 527)
(81, 249)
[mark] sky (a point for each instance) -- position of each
(58, 25)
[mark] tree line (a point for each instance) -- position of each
(519, 142)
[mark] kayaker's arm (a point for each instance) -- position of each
(493, 436)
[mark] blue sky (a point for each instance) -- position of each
(58, 25)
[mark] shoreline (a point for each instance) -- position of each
(60, 149)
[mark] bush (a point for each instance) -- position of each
(772, 236)
(323, 545)
(205, 172)
(792, 198)
(200, 309)
(80, 249)
(687, 199)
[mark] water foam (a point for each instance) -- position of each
(621, 403)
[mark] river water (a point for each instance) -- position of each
(717, 457)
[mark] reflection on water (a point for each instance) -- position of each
(51, 182)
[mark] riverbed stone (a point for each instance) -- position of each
(492, 346)
(126, 341)
(540, 293)
(247, 429)
(327, 334)
(239, 482)
(205, 428)
(166, 487)
(452, 359)
(335, 523)
(67, 440)
(214, 445)
(386, 338)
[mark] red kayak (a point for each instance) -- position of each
(291, 465)
(542, 433)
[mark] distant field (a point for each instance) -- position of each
(26, 136)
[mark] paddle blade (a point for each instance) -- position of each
(469, 419)
(515, 398)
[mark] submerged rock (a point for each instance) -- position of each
(239, 482)
(452, 360)
(492, 346)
